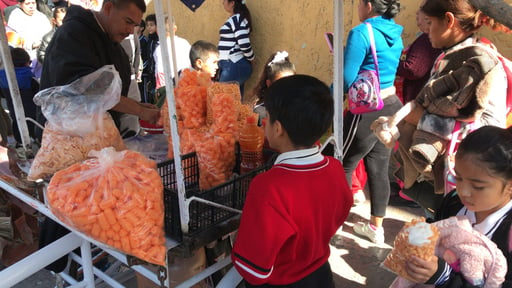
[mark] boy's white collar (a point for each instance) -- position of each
(300, 157)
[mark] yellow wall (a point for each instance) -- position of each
(296, 26)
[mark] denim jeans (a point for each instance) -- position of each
(239, 71)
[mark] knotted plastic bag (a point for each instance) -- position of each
(115, 198)
(77, 121)
(416, 238)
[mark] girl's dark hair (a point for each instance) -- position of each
(492, 146)
(241, 8)
(469, 17)
(387, 8)
(271, 70)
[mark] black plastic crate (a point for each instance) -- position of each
(203, 216)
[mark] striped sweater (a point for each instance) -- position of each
(234, 43)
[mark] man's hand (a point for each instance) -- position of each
(145, 111)
(149, 113)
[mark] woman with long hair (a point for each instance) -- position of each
(235, 50)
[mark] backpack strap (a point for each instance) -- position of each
(450, 205)
(508, 71)
(507, 67)
(502, 238)
(373, 48)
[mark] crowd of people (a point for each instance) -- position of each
(448, 77)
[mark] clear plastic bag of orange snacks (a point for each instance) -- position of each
(416, 238)
(59, 150)
(77, 121)
(223, 107)
(116, 198)
(189, 138)
(164, 111)
(190, 95)
(216, 155)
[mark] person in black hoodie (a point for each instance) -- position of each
(85, 42)
(88, 40)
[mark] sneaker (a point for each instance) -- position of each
(376, 236)
(359, 197)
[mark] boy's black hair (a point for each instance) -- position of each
(200, 50)
(151, 17)
(20, 57)
(58, 10)
(303, 105)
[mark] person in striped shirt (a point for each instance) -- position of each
(235, 51)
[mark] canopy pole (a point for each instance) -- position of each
(338, 79)
(14, 90)
(171, 103)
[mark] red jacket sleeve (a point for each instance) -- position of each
(262, 233)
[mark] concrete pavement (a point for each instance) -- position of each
(354, 260)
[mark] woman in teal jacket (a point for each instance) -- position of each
(361, 143)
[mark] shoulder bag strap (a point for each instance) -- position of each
(372, 47)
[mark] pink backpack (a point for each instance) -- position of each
(364, 93)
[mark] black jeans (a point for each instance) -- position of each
(366, 146)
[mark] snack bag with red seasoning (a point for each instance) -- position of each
(77, 121)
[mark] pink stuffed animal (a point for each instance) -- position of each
(479, 260)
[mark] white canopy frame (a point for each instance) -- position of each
(14, 90)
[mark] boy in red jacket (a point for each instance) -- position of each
(292, 210)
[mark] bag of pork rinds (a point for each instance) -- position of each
(77, 121)
(416, 238)
(216, 155)
(190, 96)
(115, 198)
(223, 106)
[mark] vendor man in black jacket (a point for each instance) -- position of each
(85, 42)
(88, 40)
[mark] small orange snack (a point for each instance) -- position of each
(115, 198)
(190, 96)
(216, 155)
(416, 238)
(245, 111)
(223, 106)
